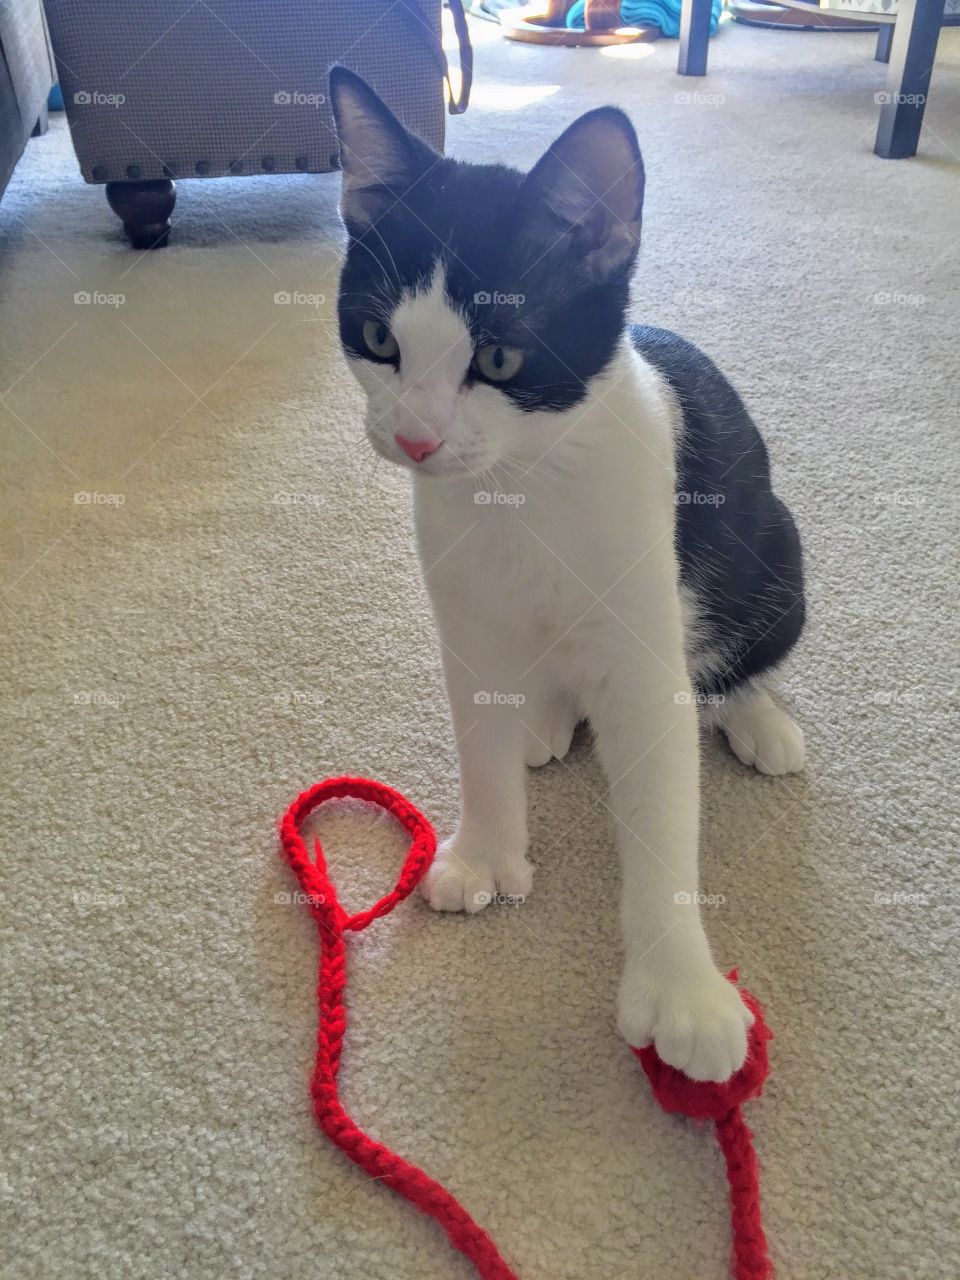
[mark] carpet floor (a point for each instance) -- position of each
(211, 600)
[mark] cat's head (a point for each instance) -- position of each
(477, 302)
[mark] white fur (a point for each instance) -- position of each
(559, 600)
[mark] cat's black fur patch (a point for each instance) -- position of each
(738, 546)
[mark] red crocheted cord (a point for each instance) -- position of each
(373, 1157)
(750, 1258)
(672, 1089)
(720, 1102)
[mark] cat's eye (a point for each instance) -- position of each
(497, 363)
(380, 341)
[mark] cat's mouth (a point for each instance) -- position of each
(445, 464)
(440, 464)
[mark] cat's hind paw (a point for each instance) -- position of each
(549, 737)
(762, 734)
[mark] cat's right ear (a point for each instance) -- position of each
(379, 158)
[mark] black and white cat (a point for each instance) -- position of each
(595, 524)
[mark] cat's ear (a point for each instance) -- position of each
(379, 158)
(589, 184)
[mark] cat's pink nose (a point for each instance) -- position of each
(418, 449)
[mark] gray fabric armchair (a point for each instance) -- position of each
(26, 78)
(155, 92)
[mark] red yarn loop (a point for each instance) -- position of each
(320, 893)
(321, 896)
(673, 1090)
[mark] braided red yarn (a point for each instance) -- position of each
(672, 1089)
(720, 1102)
(332, 921)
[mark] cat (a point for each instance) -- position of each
(594, 519)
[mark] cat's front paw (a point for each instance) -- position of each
(463, 879)
(697, 1022)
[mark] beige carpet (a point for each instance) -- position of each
(239, 613)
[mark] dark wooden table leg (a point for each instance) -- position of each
(145, 209)
(915, 36)
(884, 41)
(694, 37)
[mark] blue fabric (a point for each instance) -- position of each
(664, 14)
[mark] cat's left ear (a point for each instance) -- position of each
(591, 182)
(380, 159)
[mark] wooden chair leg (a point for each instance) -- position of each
(914, 46)
(145, 209)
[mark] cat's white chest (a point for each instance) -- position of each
(516, 559)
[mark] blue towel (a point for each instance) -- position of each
(664, 14)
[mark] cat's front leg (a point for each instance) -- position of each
(486, 856)
(671, 992)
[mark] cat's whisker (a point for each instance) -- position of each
(396, 271)
(528, 477)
